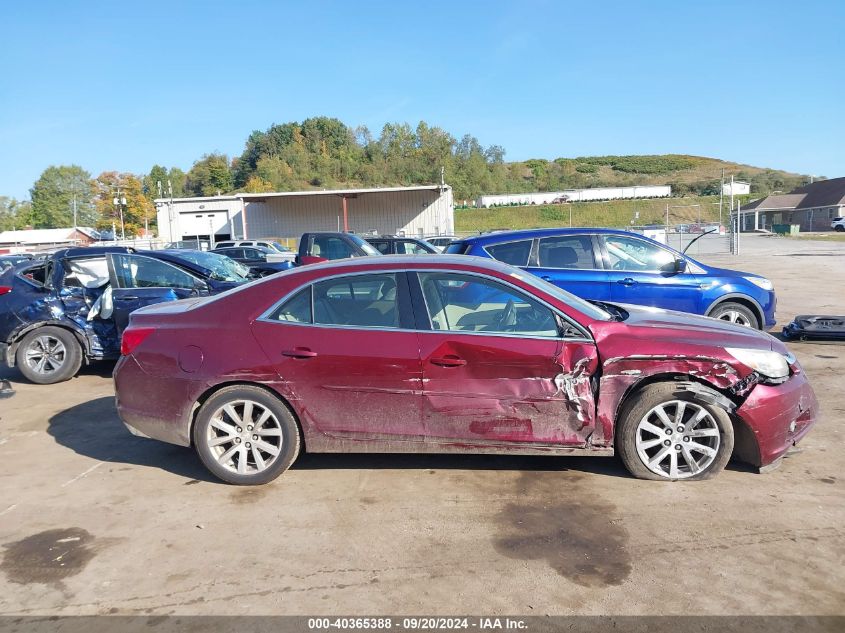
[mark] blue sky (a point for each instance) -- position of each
(120, 86)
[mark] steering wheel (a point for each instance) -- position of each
(507, 317)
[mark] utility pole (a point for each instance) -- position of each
(721, 196)
(119, 202)
(732, 191)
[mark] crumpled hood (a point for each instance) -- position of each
(691, 329)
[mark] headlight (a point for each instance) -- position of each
(761, 282)
(770, 364)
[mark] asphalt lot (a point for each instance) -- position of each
(96, 521)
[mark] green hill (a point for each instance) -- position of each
(696, 175)
(612, 213)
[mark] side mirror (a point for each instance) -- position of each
(678, 265)
(312, 259)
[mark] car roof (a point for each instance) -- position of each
(257, 247)
(510, 236)
(410, 262)
(89, 251)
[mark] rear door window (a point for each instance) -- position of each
(513, 253)
(297, 309)
(571, 251)
(359, 300)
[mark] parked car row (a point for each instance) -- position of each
(599, 265)
(540, 352)
(70, 308)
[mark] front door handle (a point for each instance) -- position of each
(128, 298)
(299, 352)
(628, 281)
(546, 278)
(448, 361)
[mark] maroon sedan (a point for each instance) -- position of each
(452, 354)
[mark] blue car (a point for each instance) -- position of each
(72, 307)
(623, 267)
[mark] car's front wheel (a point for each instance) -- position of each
(245, 435)
(736, 313)
(48, 355)
(668, 433)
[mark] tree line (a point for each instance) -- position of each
(324, 153)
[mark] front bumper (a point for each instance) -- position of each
(780, 415)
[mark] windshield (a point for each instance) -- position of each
(592, 311)
(220, 267)
(365, 246)
(278, 247)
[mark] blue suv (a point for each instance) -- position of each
(623, 267)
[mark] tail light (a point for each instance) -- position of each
(133, 337)
(5, 290)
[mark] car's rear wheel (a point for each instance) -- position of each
(667, 433)
(736, 313)
(839, 228)
(245, 435)
(48, 355)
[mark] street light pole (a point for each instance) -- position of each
(120, 202)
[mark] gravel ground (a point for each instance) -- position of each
(96, 521)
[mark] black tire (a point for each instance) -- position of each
(639, 406)
(283, 420)
(839, 228)
(60, 366)
(724, 310)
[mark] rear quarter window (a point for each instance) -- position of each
(513, 253)
(457, 248)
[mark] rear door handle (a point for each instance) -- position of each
(299, 352)
(448, 361)
(628, 281)
(546, 278)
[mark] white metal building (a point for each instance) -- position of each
(420, 210)
(736, 188)
(577, 195)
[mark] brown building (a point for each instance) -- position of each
(812, 207)
(42, 239)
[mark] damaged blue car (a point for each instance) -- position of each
(72, 307)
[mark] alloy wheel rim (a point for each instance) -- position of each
(678, 439)
(735, 316)
(245, 437)
(45, 355)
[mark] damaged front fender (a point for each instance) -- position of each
(708, 377)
